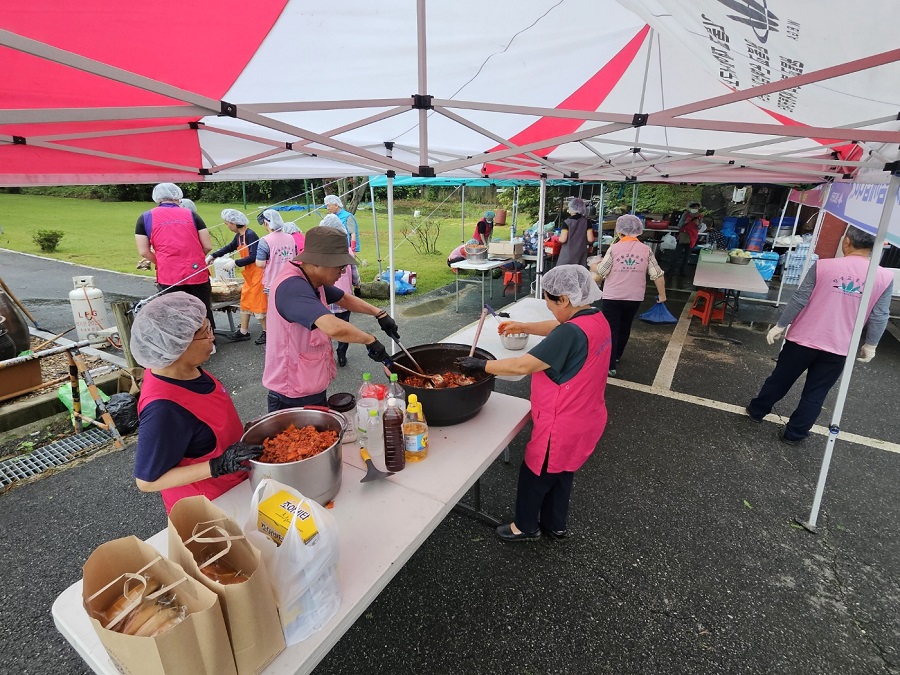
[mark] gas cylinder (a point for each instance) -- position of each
(88, 307)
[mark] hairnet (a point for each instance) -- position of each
(235, 217)
(576, 205)
(165, 327)
(290, 228)
(188, 204)
(273, 218)
(334, 199)
(629, 225)
(331, 220)
(167, 192)
(473, 242)
(574, 281)
(490, 215)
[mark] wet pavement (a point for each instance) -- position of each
(685, 557)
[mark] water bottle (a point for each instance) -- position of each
(392, 424)
(395, 391)
(374, 439)
(366, 400)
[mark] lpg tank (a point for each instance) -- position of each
(88, 307)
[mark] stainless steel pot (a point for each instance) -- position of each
(318, 477)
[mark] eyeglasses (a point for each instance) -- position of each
(207, 333)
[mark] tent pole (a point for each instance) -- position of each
(787, 255)
(462, 217)
(375, 223)
(515, 213)
(390, 210)
(423, 86)
(633, 197)
(540, 238)
(815, 237)
(834, 428)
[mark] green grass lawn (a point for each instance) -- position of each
(101, 234)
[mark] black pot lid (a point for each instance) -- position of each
(342, 402)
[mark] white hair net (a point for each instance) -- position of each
(273, 218)
(574, 281)
(334, 199)
(576, 206)
(164, 329)
(188, 204)
(629, 225)
(291, 228)
(331, 220)
(235, 217)
(167, 192)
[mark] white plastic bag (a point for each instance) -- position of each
(304, 576)
(669, 242)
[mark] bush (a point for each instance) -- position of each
(47, 239)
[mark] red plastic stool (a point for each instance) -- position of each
(705, 306)
(511, 278)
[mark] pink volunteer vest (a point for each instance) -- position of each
(179, 253)
(299, 361)
(571, 416)
(826, 323)
(628, 278)
(282, 248)
(216, 410)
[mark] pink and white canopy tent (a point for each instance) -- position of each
(108, 92)
(766, 91)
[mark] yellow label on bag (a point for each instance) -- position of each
(275, 514)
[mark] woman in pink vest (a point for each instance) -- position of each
(625, 267)
(190, 431)
(821, 315)
(568, 371)
(273, 251)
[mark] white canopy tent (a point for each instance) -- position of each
(798, 91)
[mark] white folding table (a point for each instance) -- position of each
(381, 524)
(731, 278)
(482, 266)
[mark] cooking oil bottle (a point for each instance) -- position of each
(392, 424)
(415, 431)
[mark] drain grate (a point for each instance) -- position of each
(56, 453)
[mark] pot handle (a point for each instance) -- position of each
(249, 424)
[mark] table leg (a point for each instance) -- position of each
(457, 291)
(482, 288)
(473, 510)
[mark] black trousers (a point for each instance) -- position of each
(543, 500)
(619, 315)
(277, 401)
(822, 370)
(342, 346)
(679, 257)
(201, 291)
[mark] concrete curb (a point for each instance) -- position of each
(15, 415)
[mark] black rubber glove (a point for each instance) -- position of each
(389, 326)
(231, 461)
(470, 364)
(378, 353)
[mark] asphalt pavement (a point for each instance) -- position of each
(685, 557)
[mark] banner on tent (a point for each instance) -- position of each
(811, 197)
(861, 205)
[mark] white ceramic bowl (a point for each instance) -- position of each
(514, 342)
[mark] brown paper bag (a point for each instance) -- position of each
(200, 532)
(196, 646)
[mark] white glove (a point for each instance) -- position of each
(776, 333)
(228, 265)
(209, 259)
(866, 353)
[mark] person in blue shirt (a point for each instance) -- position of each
(334, 205)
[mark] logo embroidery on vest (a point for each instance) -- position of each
(848, 285)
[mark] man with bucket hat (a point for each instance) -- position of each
(299, 361)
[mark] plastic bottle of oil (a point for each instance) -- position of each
(392, 424)
(415, 432)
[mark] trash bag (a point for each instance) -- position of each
(658, 314)
(88, 409)
(123, 408)
(669, 242)
(400, 287)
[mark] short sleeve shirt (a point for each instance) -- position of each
(141, 229)
(565, 350)
(298, 302)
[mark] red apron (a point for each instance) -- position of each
(217, 411)
(571, 416)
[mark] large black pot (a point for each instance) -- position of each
(444, 407)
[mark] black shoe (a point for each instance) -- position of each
(789, 441)
(342, 360)
(758, 420)
(556, 534)
(506, 534)
(261, 340)
(612, 373)
(238, 336)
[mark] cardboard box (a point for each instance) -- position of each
(276, 512)
(20, 377)
(505, 249)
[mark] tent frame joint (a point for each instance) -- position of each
(710, 153)
(19, 140)
(640, 119)
(425, 172)
(227, 109)
(422, 102)
(204, 172)
(890, 167)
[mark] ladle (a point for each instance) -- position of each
(435, 379)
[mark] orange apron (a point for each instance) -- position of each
(252, 297)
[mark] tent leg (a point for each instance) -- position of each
(375, 224)
(540, 239)
(835, 426)
(390, 208)
(790, 247)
